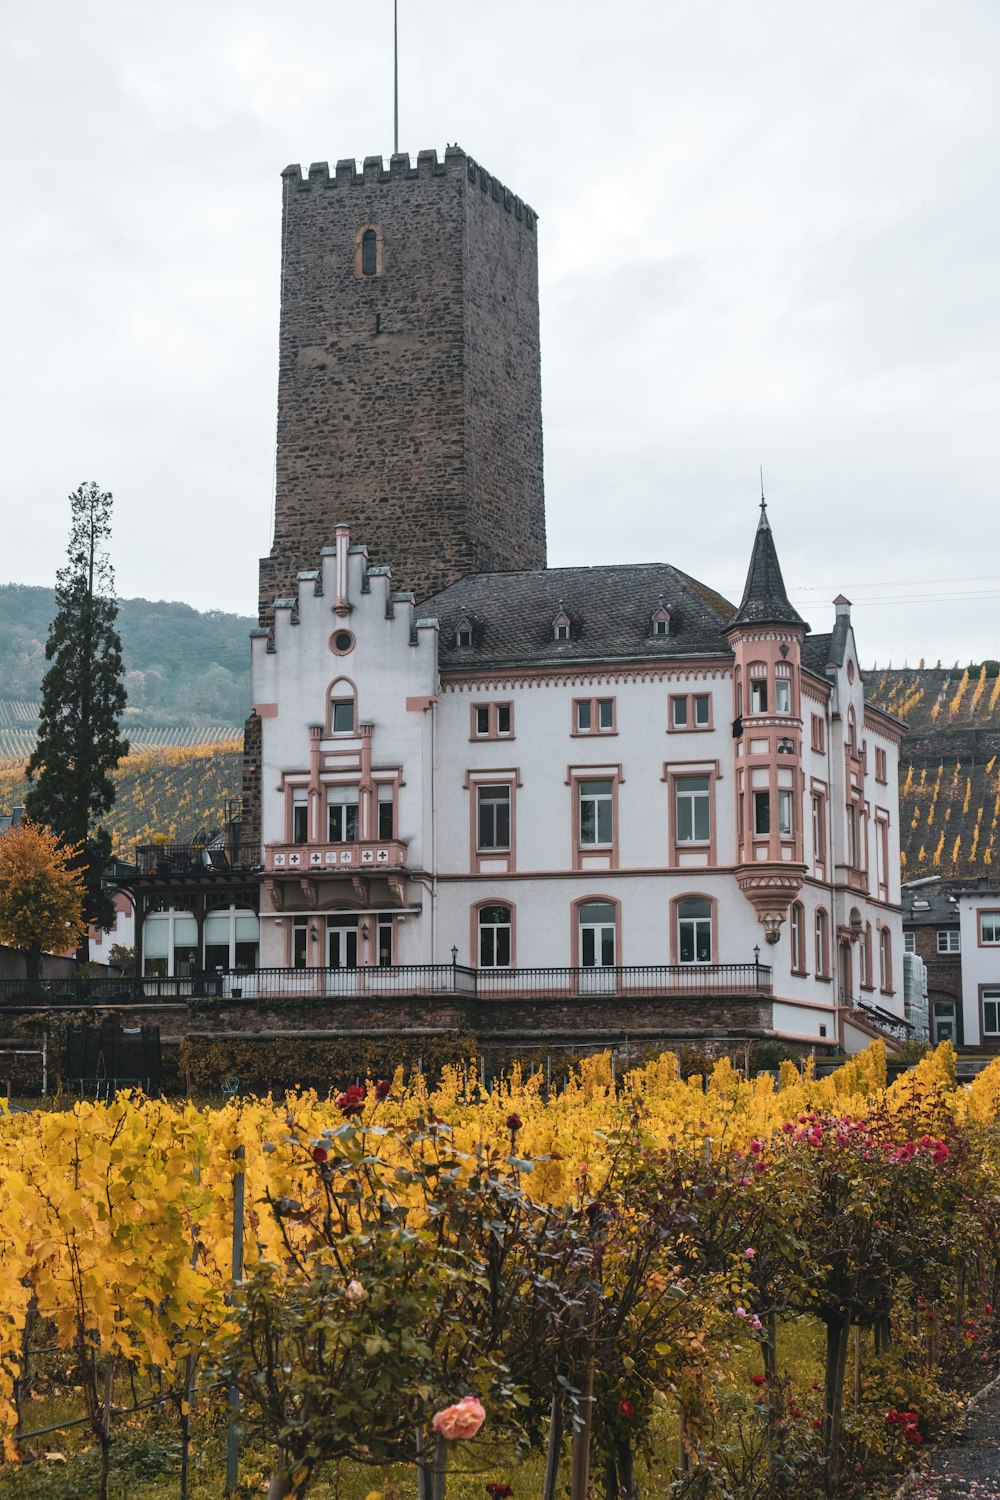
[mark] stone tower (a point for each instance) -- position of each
(409, 388)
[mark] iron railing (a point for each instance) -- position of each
(401, 980)
(196, 860)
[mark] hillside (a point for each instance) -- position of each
(176, 792)
(949, 783)
(183, 667)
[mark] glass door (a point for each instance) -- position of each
(342, 954)
(597, 947)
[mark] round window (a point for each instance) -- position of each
(341, 642)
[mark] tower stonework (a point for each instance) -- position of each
(409, 389)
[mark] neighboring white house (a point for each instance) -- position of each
(603, 775)
(979, 917)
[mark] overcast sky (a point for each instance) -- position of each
(770, 234)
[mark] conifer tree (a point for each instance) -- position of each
(83, 698)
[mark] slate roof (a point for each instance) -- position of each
(765, 601)
(816, 653)
(610, 609)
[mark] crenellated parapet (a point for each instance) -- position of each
(401, 168)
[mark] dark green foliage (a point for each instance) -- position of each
(83, 699)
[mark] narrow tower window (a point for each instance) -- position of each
(369, 253)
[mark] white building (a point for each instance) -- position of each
(586, 782)
(979, 919)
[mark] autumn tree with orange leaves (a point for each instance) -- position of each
(41, 896)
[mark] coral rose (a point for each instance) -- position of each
(463, 1420)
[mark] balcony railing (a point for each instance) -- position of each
(652, 981)
(358, 857)
(196, 860)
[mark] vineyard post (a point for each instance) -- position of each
(554, 1449)
(188, 1396)
(579, 1479)
(233, 1435)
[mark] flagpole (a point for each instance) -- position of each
(395, 77)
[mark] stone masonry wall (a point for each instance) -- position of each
(409, 403)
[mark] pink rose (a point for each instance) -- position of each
(463, 1420)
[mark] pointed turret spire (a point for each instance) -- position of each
(765, 601)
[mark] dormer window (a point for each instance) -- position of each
(463, 633)
(561, 626)
(661, 620)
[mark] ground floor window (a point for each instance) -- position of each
(170, 944)
(494, 937)
(231, 939)
(694, 930)
(991, 1013)
(597, 934)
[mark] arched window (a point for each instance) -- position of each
(495, 926)
(597, 921)
(822, 943)
(694, 930)
(885, 960)
(369, 251)
(343, 714)
(797, 931)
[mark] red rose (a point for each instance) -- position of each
(319, 1153)
(383, 1089)
(352, 1100)
(514, 1123)
(759, 1379)
(626, 1409)
(499, 1491)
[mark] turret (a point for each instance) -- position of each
(766, 634)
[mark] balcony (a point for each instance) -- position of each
(332, 859)
(651, 981)
(196, 861)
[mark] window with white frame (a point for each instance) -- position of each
(761, 813)
(786, 813)
(949, 940)
(493, 817)
(342, 715)
(596, 811)
(386, 810)
(231, 938)
(594, 715)
(797, 931)
(989, 927)
(884, 959)
(822, 943)
(991, 1012)
(909, 942)
(597, 946)
(342, 814)
(300, 815)
(758, 690)
(492, 721)
(693, 809)
(782, 695)
(691, 711)
(694, 930)
(819, 826)
(494, 936)
(170, 944)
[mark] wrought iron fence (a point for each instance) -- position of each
(196, 859)
(401, 980)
